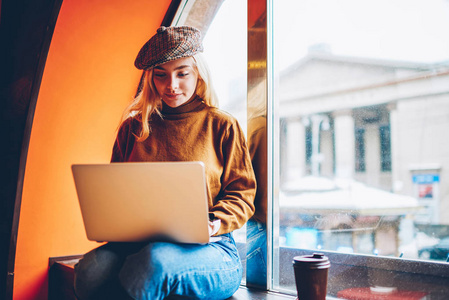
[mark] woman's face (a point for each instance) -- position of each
(175, 81)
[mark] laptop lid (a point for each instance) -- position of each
(128, 202)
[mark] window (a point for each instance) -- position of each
(225, 51)
(225, 47)
(358, 111)
(364, 86)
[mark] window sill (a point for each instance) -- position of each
(358, 271)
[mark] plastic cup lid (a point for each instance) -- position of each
(317, 260)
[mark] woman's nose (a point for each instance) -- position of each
(173, 83)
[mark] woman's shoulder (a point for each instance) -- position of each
(221, 115)
(130, 125)
(130, 122)
(224, 123)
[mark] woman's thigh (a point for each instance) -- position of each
(210, 271)
(97, 272)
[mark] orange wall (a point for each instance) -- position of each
(88, 79)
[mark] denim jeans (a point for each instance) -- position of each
(256, 254)
(156, 270)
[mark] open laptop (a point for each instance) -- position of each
(130, 202)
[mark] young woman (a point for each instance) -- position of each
(174, 118)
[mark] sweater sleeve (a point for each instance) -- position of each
(123, 143)
(235, 203)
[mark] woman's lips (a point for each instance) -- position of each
(172, 96)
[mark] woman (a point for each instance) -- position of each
(174, 119)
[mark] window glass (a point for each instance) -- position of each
(224, 28)
(225, 49)
(362, 92)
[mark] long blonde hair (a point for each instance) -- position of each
(148, 102)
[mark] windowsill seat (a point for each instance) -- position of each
(349, 273)
(61, 275)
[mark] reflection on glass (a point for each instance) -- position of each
(363, 100)
(240, 81)
(256, 254)
(226, 49)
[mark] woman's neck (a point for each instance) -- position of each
(183, 108)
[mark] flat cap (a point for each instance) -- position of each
(169, 43)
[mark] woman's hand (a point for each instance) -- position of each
(214, 226)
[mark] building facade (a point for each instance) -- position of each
(381, 123)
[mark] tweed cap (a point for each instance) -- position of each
(169, 43)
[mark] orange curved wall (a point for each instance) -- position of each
(88, 79)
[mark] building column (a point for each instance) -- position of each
(372, 155)
(394, 140)
(296, 149)
(344, 144)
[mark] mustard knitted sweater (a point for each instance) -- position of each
(196, 132)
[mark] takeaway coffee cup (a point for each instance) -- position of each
(311, 276)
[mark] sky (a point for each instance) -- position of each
(414, 30)
(410, 30)
(404, 30)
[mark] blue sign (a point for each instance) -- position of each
(426, 178)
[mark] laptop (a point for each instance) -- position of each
(133, 202)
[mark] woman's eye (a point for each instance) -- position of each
(159, 75)
(183, 74)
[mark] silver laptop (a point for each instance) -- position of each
(128, 202)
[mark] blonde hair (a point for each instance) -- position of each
(148, 102)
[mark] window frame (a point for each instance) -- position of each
(359, 270)
(279, 260)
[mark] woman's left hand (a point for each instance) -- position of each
(214, 226)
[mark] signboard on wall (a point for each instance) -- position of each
(426, 187)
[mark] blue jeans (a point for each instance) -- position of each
(256, 254)
(156, 270)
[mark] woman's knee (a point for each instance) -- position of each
(95, 270)
(150, 271)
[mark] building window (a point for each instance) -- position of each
(385, 148)
(308, 146)
(360, 150)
